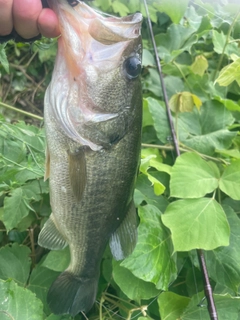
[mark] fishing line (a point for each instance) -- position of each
(207, 287)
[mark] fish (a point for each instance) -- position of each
(93, 120)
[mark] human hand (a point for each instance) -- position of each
(28, 18)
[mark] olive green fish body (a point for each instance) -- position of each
(93, 127)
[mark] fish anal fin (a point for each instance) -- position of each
(77, 171)
(47, 164)
(50, 237)
(71, 294)
(124, 239)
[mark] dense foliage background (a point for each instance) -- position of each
(194, 203)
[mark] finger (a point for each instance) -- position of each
(48, 23)
(25, 16)
(6, 21)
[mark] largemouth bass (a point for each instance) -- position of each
(93, 127)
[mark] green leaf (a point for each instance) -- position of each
(145, 166)
(144, 193)
(15, 209)
(147, 118)
(19, 303)
(172, 305)
(197, 224)
(3, 58)
(224, 263)
(227, 308)
(184, 102)
(39, 283)
(230, 180)
(57, 260)
(17, 206)
(138, 289)
(147, 58)
(175, 10)
(177, 40)
(229, 74)
(199, 65)
(15, 263)
(193, 177)
(152, 259)
(120, 7)
(229, 104)
(222, 45)
(211, 125)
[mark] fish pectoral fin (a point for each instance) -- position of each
(50, 237)
(124, 239)
(77, 171)
(47, 164)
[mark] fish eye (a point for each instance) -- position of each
(132, 67)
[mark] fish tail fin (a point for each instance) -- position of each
(70, 294)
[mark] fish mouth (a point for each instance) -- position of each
(90, 44)
(106, 30)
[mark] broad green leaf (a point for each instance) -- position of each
(193, 177)
(161, 123)
(172, 305)
(229, 104)
(15, 263)
(230, 180)
(177, 39)
(57, 260)
(147, 58)
(158, 187)
(147, 118)
(154, 159)
(184, 102)
(222, 44)
(199, 65)
(175, 10)
(227, 308)
(138, 290)
(17, 205)
(40, 281)
(197, 224)
(19, 303)
(120, 8)
(144, 194)
(229, 73)
(212, 121)
(224, 263)
(15, 209)
(152, 259)
(160, 120)
(3, 57)
(62, 317)
(209, 142)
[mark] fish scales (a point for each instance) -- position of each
(93, 121)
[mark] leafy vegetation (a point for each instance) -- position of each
(190, 204)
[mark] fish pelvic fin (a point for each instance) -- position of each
(124, 239)
(77, 171)
(70, 294)
(50, 237)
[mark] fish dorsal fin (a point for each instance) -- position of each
(50, 237)
(77, 171)
(123, 240)
(47, 164)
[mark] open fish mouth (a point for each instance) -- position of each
(90, 44)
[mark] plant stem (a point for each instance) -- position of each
(224, 48)
(31, 115)
(185, 149)
(207, 287)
